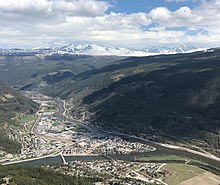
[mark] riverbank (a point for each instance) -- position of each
(161, 149)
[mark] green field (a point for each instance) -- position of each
(170, 159)
(181, 172)
(25, 118)
(50, 109)
(14, 125)
(161, 158)
(177, 172)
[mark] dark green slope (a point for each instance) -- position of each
(39, 176)
(11, 103)
(28, 72)
(181, 100)
(89, 81)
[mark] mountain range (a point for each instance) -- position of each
(99, 50)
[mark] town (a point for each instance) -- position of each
(50, 134)
(116, 172)
(79, 148)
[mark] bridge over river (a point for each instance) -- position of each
(212, 164)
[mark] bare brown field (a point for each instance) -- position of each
(206, 178)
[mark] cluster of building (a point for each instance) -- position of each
(32, 146)
(119, 146)
(35, 137)
(116, 172)
(128, 181)
(85, 144)
(49, 134)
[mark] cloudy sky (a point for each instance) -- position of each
(125, 23)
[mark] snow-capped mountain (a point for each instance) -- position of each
(93, 49)
(159, 49)
(16, 52)
(40, 49)
(182, 48)
(99, 50)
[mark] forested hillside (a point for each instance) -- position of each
(39, 176)
(176, 95)
(11, 103)
(180, 99)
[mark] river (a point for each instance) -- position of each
(160, 150)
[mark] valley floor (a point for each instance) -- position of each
(52, 132)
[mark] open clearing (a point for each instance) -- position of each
(206, 178)
(25, 118)
(181, 172)
(161, 158)
(168, 159)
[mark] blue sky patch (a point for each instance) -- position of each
(135, 6)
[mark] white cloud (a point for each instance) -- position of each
(25, 5)
(38, 10)
(42, 22)
(160, 14)
(81, 7)
(184, 12)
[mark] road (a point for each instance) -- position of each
(160, 148)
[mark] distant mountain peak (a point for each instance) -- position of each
(100, 50)
(181, 48)
(95, 49)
